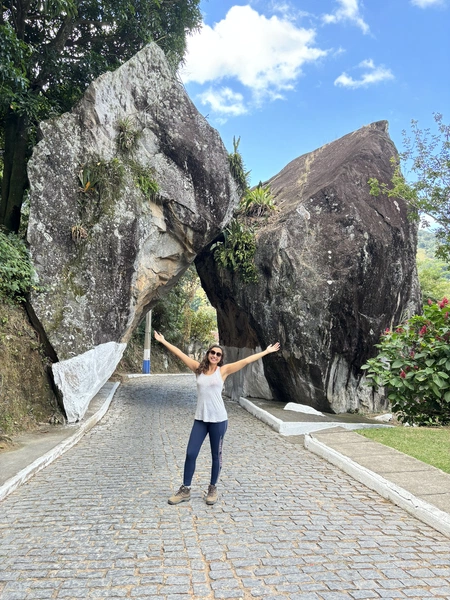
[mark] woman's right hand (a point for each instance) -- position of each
(159, 337)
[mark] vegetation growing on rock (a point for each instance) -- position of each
(235, 249)
(26, 396)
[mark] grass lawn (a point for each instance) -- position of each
(431, 445)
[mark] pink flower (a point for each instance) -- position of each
(429, 302)
(387, 330)
(423, 330)
(443, 303)
(399, 330)
(402, 374)
(412, 354)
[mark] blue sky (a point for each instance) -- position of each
(290, 76)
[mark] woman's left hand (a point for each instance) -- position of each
(273, 347)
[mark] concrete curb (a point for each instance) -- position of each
(293, 428)
(25, 474)
(135, 375)
(420, 509)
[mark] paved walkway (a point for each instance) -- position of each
(96, 523)
(421, 489)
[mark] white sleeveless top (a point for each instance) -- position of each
(210, 406)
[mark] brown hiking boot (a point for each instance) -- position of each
(211, 496)
(183, 495)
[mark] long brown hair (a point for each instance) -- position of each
(203, 367)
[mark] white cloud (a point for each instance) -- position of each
(372, 76)
(288, 10)
(367, 64)
(224, 101)
(426, 3)
(265, 55)
(348, 11)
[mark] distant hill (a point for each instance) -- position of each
(427, 241)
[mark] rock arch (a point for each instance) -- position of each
(133, 185)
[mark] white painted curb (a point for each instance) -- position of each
(293, 428)
(420, 509)
(134, 375)
(25, 474)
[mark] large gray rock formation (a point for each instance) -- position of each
(336, 267)
(103, 239)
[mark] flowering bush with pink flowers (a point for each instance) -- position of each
(413, 365)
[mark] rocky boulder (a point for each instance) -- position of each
(336, 267)
(125, 190)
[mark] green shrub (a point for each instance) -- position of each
(237, 252)
(258, 201)
(16, 270)
(185, 315)
(414, 365)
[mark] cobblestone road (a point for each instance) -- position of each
(96, 523)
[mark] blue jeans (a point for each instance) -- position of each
(200, 430)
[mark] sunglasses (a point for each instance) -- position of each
(214, 353)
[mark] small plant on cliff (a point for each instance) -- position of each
(257, 201)
(100, 181)
(414, 365)
(237, 251)
(145, 180)
(148, 185)
(87, 178)
(128, 135)
(237, 168)
(16, 270)
(79, 233)
(110, 176)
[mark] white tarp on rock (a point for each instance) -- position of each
(79, 379)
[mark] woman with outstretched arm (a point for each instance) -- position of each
(210, 415)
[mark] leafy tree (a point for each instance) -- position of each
(428, 194)
(434, 276)
(50, 51)
(184, 315)
(414, 364)
(426, 241)
(16, 270)
(204, 323)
